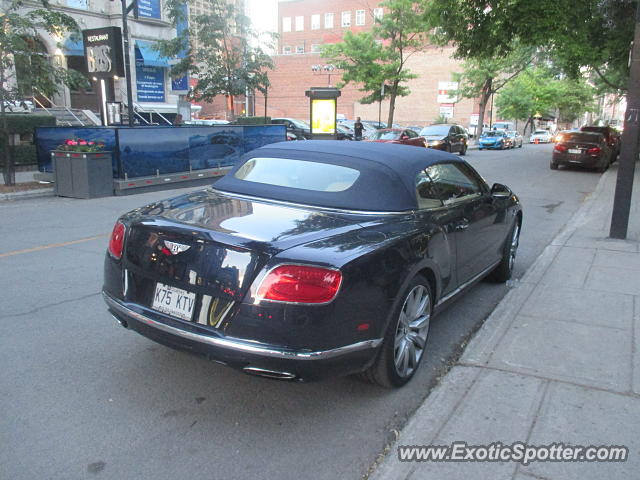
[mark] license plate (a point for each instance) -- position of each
(575, 150)
(174, 301)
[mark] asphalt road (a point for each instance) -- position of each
(84, 398)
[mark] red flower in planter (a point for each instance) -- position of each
(81, 146)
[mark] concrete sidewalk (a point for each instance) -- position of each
(558, 361)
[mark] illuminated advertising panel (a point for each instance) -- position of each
(323, 116)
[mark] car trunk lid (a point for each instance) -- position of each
(214, 245)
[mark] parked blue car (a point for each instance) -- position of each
(496, 139)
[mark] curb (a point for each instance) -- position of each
(28, 194)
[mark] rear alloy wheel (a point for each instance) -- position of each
(406, 337)
(504, 270)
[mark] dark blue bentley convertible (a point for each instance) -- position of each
(312, 259)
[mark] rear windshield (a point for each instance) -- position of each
(283, 172)
(436, 130)
(540, 132)
(493, 134)
(385, 135)
(581, 137)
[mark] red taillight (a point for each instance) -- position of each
(116, 242)
(560, 148)
(594, 151)
(300, 284)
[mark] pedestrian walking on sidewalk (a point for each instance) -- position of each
(357, 129)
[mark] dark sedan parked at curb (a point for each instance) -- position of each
(611, 136)
(297, 127)
(450, 138)
(312, 259)
(585, 149)
(404, 136)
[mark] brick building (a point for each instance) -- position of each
(305, 25)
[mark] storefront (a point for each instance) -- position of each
(151, 73)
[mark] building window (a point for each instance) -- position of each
(81, 4)
(300, 49)
(346, 19)
(315, 48)
(359, 17)
(286, 50)
(328, 20)
(299, 24)
(377, 13)
(315, 22)
(286, 24)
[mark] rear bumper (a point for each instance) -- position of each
(582, 161)
(245, 355)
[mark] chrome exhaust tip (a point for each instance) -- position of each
(262, 372)
(120, 321)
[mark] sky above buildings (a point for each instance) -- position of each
(263, 14)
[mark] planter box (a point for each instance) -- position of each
(82, 175)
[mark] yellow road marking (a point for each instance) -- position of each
(52, 245)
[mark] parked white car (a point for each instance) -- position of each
(540, 136)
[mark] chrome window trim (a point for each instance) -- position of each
(238, 345)
(315, 207)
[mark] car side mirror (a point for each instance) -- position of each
(500, 191)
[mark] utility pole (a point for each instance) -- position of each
(629, 147)
(127, 60)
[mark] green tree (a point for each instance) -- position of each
(380, 57)
(588, 33)
(483, 77)
(538, 91)
(218, 51)
(24, 68)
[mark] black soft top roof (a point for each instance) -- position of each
(386, 181)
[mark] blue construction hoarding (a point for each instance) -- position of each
(147, 151)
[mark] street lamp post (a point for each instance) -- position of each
(127, 60)
(327, 70)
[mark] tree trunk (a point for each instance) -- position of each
(8, 171)
(392, 103)
(485, 95)
(231, 114)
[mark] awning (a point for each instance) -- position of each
(148, 55)
(73, 48)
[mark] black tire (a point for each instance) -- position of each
(384, 371)
(463, 152)
(504, 269)
(520, 145)
(553, 166)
